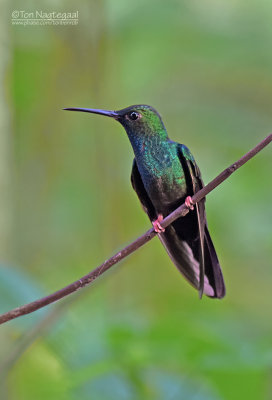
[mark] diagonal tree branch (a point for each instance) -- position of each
(140, 241)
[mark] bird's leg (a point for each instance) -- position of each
(188, 202)
(157, 224)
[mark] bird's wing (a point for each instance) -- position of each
(194, 183)
(209, 267)
(139, 188)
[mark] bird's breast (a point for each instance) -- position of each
(164, 180)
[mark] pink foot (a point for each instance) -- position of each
(157, 224)
(189, 203)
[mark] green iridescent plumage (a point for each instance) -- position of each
(164, 173)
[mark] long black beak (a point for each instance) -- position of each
(112, 114)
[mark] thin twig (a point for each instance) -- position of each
(140, 241)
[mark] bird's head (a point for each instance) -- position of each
(138, 120)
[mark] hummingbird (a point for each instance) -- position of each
(165, 175)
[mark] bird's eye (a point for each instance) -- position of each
(133, 116)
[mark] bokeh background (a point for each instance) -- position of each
(66, 203)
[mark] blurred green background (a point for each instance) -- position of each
(66, 204)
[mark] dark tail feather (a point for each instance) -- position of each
(212, 267)
(185, 255)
